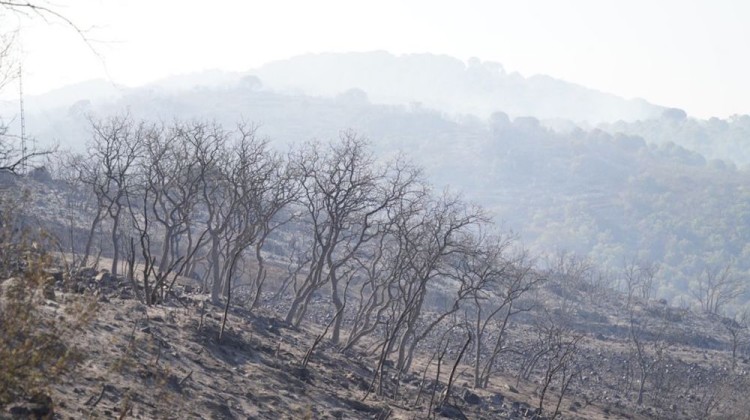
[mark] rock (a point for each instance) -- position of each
(359, 406)
(55, 274)
(49, 290)
(451, 412)
(302, 374)
(532, 413)
(20, 411)
(86, 272)
(40, 406)
(103, 277)
(471, 398)
(497, 399)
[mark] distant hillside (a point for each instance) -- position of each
(715, 139)
(450, 85)
(97, 91)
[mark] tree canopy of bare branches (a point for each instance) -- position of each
(716, 287)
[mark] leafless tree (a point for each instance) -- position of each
(39, 9)
(639, 279)
(431, 240)
(716, 287)
(164, 200)
(14, 158)
(649, 345)
(569, 274)
(737, 328)
(338, 187)
(276, 193)
(89, 175)
(460, 356)
(264, 187)
(47, 12)
(377, 270)
(559, 347)
(76, 200)
(447, 243)
(8, 69)
(347, 198)
(383, 263)
(107, 170)
(507, 279)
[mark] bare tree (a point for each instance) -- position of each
(447, 242)
(569, 275)
(508, 279)
(737, 328)
(107, 169)
(264, 187)
(649, 345)
(14, 158)
(383, 263)
(559, 348)
(460, 356)
(8, 69)
(164, 200)
(25, 8)
(716, 287)
(275, 192)
(431, 239)
(346, 198)
(639, 279)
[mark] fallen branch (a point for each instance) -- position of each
(99, 398)
(182, 381)
(453, 371)
(319, 338)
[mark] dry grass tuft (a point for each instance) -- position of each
(36, 337)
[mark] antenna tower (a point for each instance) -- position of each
(24, 151)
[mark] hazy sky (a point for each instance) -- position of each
(689, 54)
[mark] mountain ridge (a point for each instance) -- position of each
(450, 85)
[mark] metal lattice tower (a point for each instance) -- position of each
(24, 151)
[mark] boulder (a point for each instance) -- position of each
(497, 399)
(451, 412)
(56, 274)
(38, 407)
(471, 398)
(49, 290)
(103, 277)
(86, 272)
